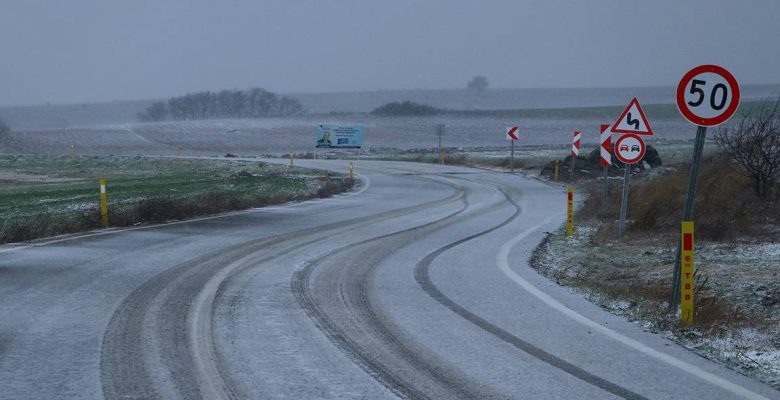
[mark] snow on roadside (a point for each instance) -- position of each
(744, 276)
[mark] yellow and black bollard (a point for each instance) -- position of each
(103, 204)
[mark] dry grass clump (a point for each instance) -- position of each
(725, 207)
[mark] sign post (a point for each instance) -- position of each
(569, 211)
(512, 135)
(605, 159)
(440, 131)
(630, 149)
(707, 95)
(103, 204)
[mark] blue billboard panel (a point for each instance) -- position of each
(340, 137)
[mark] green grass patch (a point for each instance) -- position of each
(44, 196)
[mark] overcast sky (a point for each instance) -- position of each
(93, 50)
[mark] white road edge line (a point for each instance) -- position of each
(365, 187)
(502, 261)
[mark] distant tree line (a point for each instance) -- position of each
(252, 103)
(405, 108)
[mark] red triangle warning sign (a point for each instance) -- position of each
(633, 120)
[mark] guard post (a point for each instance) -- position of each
(103, 204)
(686, 288)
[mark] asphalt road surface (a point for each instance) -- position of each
(415, 286)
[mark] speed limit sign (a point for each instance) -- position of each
(708, 95)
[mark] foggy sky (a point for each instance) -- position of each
(95, 50)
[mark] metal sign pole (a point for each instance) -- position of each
(571, 169)
(440, 129)
(698, 148)
(512, 157)
(606, 187)
(624, 202)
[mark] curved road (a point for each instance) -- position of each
(416, 286)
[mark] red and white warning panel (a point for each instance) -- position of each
(630, 149)
(606, 147)
(575, 144)
(512, 133)
(632, 120)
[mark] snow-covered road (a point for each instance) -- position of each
(416, 286)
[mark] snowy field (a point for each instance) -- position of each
(283, 135)
(110, 128)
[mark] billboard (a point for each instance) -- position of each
(340, 137)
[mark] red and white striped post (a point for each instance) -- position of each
(605, 151)
(575, 151)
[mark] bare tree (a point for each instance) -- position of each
(754, 143)
(478, 83)
(287, 106)
(253, 103)
(158, 111)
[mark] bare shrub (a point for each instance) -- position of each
(725, 206)
(753, 142)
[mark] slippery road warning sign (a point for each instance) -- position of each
(511, 133)
(708, 95)
(632, 120)
(630, 149)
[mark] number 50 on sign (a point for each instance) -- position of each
(708, 95)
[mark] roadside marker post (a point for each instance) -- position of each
(291, 161)
(512, 134)
(605, 160)
(351, 170)
(575, 151)
(629, 149)
(707, 95)
(440, 131)
(73, 151)
(103, 204)
(569, 211)
(687, 292)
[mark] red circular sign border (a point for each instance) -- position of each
(693, 118)
(641, 154)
